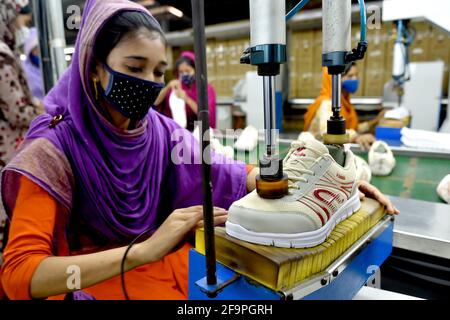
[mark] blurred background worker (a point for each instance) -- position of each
(23, 22)
(17, 105)
(32, 65)
(320, 111)
(178, 100)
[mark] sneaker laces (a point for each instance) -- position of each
(296, 167)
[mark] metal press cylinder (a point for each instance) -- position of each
(398, 66)
(337, 25)
(267, 22)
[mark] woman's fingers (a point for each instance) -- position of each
(373, 192)
(218, 221)
(361, 195)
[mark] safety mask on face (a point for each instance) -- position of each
(187, 79)
(132, 97)
(36, 60)
(350, 85)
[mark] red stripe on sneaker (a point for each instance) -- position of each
(321, 207)
(314, 210)
(344, 191)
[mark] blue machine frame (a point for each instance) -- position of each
(357, 269)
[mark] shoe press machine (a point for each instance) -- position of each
(352, 254)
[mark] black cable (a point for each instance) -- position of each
(124, 258)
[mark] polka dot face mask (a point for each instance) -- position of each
(132, 97)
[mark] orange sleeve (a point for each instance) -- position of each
(30, 238)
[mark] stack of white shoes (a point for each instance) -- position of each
(216, 145)
(248, 140)
(381, 159)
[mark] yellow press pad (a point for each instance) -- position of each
(281, 269)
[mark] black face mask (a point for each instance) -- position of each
(187, 79)
(132, 97)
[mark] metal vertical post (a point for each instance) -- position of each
(198, 18)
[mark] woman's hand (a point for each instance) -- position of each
(176, 227)
(365, 140)
(174, 84)
(370, 191)
(181, 94)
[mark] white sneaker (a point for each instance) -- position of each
(305, 135)
(363, 172)
(248, 140)
(443, 189)
(321, 194)
(381, 159)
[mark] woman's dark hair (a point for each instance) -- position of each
(120, 25)
(182, 60)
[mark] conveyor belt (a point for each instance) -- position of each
(280, 269)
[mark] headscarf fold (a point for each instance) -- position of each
(347, 111)
(124, 182)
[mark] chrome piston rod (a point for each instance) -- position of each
(270, 114)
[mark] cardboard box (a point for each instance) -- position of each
(305, 48)
(356, 36)
(374, 83)
(317, 60)
(420, 49)
(391, 35)
(440, 50)
(211, 60)
(305, 85)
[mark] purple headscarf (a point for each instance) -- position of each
(34, 72)
(119, 182)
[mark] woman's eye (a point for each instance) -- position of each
(134, 69)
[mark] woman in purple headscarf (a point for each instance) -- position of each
(178, 100)
(100, 168)
(32, 65)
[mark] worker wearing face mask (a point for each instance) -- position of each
(178, 100)
(32, 65)
(23, 22)
(320, 111)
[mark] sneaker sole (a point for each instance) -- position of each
(297, 240)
